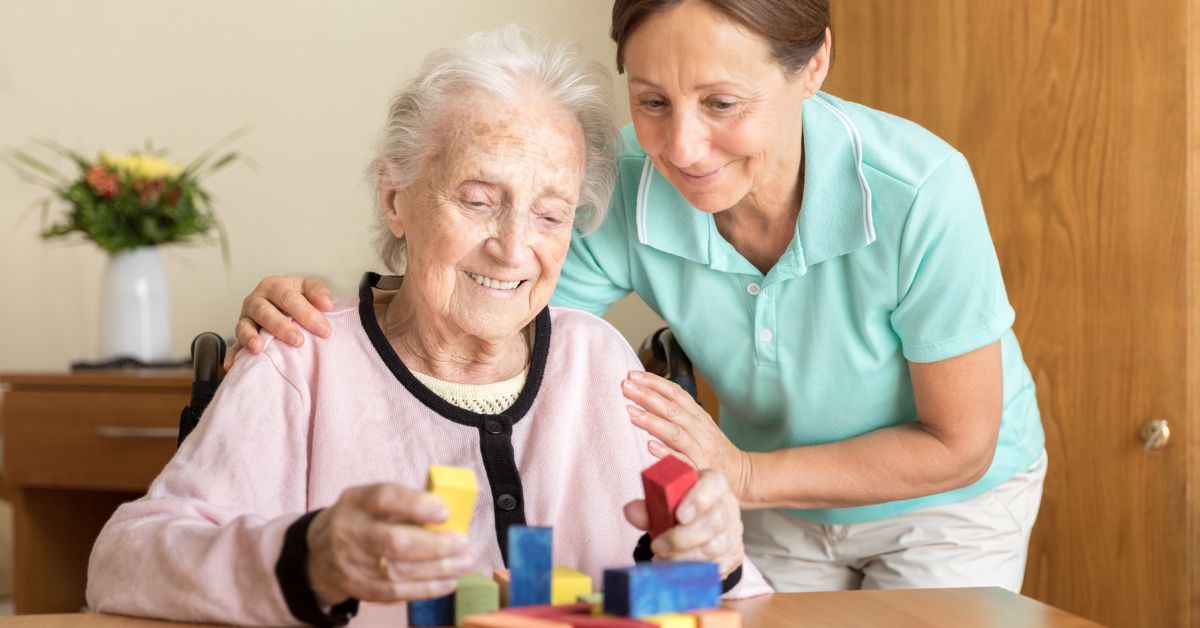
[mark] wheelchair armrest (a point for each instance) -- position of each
(662, 355)
(208, 357)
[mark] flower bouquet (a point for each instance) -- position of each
(130, 201)
(128, 205)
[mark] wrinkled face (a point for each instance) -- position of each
(489, 221)
(712, 108)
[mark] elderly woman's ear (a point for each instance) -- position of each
(390, 200)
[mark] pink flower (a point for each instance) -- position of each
(103, 182)
(149, 191)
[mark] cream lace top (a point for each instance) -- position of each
(482, 398)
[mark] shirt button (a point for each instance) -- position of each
(753, 289)
(492, 426)
(766, 335)
(506, 502)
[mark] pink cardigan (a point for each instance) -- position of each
(290, 429)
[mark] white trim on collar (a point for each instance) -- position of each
(643, 195)
(856, 142)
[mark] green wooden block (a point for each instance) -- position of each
(596, 600)
(476, 594)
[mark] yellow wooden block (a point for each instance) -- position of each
(670, 621)
(456, 486)
(566, 585)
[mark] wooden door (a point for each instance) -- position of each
(1078, 118)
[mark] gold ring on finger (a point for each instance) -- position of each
(385, 568)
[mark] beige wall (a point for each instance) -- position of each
(311, 78)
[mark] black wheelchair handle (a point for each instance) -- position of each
(208, 356)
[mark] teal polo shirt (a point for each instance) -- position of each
(891, 262)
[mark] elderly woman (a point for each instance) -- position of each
(299, 494)
(828, 267)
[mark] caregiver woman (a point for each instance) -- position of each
(828, 268)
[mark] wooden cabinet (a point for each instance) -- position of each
(1081, 121)
(75, 447)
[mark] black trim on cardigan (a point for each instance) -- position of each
(291, 571)
(495, 430)
(643, 554)
(731, 580)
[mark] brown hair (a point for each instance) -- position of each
(795, 29)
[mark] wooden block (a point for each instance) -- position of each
(603, 621)
(551, 610)
(596, 600)
(438, 611)
(502, 578)
(510, 620)
(456, 486)
(665, 483)
(529, 560)
(717, 618)
(671, 621)
(661, 588)
(476, 594)
(566, 585)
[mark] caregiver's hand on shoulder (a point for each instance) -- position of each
(269, 307)
(370, 545)
(709, 529)
(684, 429)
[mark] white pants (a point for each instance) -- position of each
(981, 542)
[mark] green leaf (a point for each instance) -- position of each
(225, 160)
(26, 162)
(200, 160)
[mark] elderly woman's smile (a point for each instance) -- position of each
(495, 284)
(487, 224)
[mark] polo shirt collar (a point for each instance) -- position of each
(835, 215)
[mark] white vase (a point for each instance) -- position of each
(135, 310)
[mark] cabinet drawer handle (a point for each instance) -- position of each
(108, 431)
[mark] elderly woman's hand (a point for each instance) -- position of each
(268, 307)
(683, 428)
(370, 545)
(709, 529)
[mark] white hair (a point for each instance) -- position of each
(507, 63)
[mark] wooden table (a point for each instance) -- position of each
(77, 445)
(977, 608)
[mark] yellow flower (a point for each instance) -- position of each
(143, 167)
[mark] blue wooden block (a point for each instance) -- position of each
(438, 611)
(529, 560)
(660, 588)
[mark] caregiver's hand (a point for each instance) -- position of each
(670, 414)
(709, 529)
(273, 300)
(370, 545)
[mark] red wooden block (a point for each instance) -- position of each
(665, 484)
(577, 615)
(603, 621)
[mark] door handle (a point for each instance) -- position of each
(1155, 434)
(121, 432)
